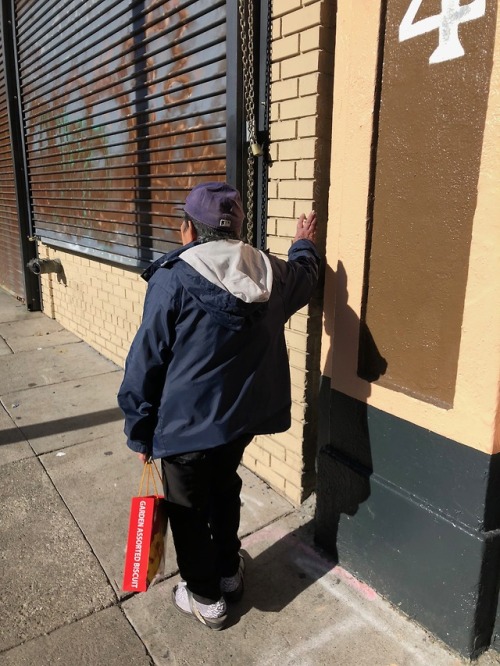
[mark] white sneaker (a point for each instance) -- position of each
(211, 615)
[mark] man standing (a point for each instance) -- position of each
(208, 370)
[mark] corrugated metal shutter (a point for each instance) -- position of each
(11, 264)
(125, 109)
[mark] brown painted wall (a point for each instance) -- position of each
(432, 119)
(474, 392)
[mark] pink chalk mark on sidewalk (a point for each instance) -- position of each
(273, 534)
(362, 588)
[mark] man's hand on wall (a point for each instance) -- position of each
(306, 227)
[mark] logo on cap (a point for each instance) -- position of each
(217, 205)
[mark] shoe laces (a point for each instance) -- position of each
(210, 611)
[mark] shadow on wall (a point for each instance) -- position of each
(344, 459)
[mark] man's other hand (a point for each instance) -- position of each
(306, 227)
(143, 457)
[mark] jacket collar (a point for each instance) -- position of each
(164, 260)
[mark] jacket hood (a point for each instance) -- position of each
(230, 280)
(235, 267)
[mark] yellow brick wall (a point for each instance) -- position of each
(301, 83)
(100, 303)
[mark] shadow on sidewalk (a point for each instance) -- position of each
(56, 426)
(281, 572)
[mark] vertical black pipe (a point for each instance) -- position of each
(16, 125)
(143, 179)
(235, 131)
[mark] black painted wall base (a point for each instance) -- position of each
(413, 514)
(495, 640)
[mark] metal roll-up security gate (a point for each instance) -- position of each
(125, 110)
(11, 263)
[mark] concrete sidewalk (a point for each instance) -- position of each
(66, 478)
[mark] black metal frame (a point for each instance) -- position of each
(16, 125)
(263, 103)
(234, 100)
(237, 140)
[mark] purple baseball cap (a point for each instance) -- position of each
(218, 205)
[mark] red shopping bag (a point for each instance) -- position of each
(145, 554)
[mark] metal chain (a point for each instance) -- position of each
(246, 14)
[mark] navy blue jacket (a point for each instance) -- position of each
(206, 367)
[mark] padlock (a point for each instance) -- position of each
(256, 150)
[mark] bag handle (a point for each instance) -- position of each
(148, 475)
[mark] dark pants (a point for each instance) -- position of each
(203, 494)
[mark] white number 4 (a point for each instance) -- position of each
(447, 22)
